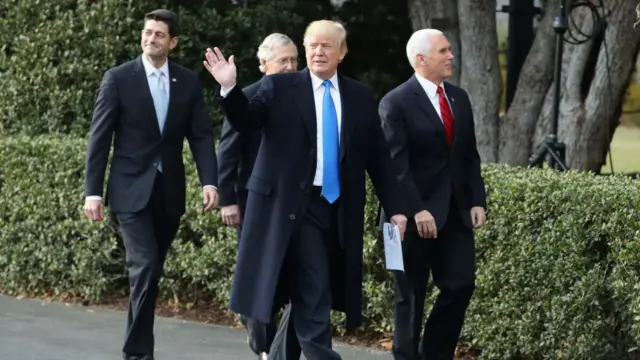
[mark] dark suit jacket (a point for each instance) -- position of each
(428, 168)
(279, 187)
(124, 112)
(236, 156)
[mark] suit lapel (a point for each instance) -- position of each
(140, 78)
(303, 95)
(348, 115)
(454, 109)
(174, 87)
(423, 101)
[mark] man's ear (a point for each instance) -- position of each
(173, 43)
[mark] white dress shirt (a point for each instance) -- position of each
(318, 95)
(432, 92)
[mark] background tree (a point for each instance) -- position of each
(595, 76)
(470, 27)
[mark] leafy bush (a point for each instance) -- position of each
(557, 261)
(53, 53)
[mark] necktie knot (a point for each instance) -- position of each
(326, 84)
(440, 91)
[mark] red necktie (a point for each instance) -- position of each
(447, 116)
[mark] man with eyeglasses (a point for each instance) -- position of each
(236, 157)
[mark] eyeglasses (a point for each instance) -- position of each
(285, 61)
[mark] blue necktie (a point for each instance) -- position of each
(161, 104)
(160, 100)
(330, 147)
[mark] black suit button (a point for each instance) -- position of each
(302, 185)
(292, 217)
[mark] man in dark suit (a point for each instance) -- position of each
(148, 106)
(428, 124)
(236, 157)
(303, 228)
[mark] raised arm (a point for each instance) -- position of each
(244, 115)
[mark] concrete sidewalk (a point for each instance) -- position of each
(39, 330)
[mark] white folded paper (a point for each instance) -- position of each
(392, 247)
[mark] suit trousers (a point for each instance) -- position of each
(450, 258)
(307, 269)
(147, 237)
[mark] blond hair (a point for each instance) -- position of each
(328, 27)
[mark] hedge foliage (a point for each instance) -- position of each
(557, 276)
(53, 53)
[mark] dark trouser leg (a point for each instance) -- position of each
(285, 345)
(147, 237)
(454, 274)
(410, 293)
(261, 335)
(271, 328)
(309, 276)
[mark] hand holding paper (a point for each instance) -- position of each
(392, 247)
(401, 222)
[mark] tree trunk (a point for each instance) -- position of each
(590, 105)
(616, 61)
(441, 15)
(519, 123)
(470, 27)
(480, 75)
(575, 67)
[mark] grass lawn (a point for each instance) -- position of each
(625, 150)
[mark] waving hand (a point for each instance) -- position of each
(222, 70)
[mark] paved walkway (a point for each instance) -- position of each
(38, 330)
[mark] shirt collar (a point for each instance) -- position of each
(316, 82)
(430, 88)
(150, 69)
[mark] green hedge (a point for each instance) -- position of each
(53, 53)
(558, 262)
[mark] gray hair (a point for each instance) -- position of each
(266, 49)
(420, 43)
